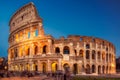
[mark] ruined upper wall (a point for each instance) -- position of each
(87, 39)
(24, 16)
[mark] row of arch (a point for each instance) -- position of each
(26, 34)
(34, 67)
(66, 67)
(26, 51)
(18, 53)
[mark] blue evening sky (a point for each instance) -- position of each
(99, 18)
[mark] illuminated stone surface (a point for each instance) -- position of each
(32, 50)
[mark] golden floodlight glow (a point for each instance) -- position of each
(31, 49)
(112, 65)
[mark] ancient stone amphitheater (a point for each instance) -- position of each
(32, 50)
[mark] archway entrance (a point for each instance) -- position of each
(54, 67)
(35, 67)
(93, 68)
(44, 67)
(75, 69)
(99, 69)
(16, 68)
(27, 67)
(21, 67)
(66, 67)
(88, 69)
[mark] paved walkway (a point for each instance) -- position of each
(27, 78)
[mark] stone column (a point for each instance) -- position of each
(84, 57)
(71, 49)
(24, 35)
(31, 66)
(49, 46)
(31, 49)
(59, 64)
(39, 47)
(48, 65)
(24, 53)
(96, 69)
(40, 30)
(39, 66)
(31, 32)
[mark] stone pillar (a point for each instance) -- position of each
(49, 46)
(40, 30)
(71, 49)
(71, 68)
(31, 66)
(24, 53)
(39, 66)
(80, 68)
(101, 57)
(96, 69)
(77, 50)
(39, 47)
(84, 57)
(24, 35)
(31, 50)
(31, 32)
(59, 64)
(48, 65)
(105, 59)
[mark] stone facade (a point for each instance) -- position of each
(30, 49)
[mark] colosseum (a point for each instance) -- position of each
(30, 49)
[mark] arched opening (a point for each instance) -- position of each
(27, 67)
(21, 67)
(16, 68)
(107, 57)
(81, 39)
(12, 54)
(57, 50)
(103, 69)
(66, 67)
(28, 51)
(107, 49)
(35, 67)
(103, 56)
(36, 50)
(110, 57)
(44, 67)
(66, 50)
(99, 55)
(75, 52)
(44, 49)
(107, 69)
(20, 52)
(93, 54)
(16, 52)
(87, 46)
(81, 53)
(87, 69)
(54, 67)
(36, 32)
(93, 68)
(28, 35)
(75, 69)
(110, 69)
(99, 69)
(87, 54)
